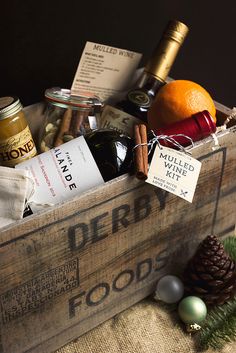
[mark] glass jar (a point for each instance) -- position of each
(67, 117)
(16, 142)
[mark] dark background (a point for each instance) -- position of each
(42, 41)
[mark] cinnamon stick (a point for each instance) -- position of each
(141, 151)
(64, 127)
(77, 126)
(80, 123)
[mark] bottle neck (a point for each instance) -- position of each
(163, 56)
(149, 83)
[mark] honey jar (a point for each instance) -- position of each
(16, 142)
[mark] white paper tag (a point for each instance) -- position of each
(62, 172)
(174, 171)
(104, 70)
(113, 118)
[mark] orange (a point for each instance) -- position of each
(178, 100)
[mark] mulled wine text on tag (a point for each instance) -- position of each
(174, 171)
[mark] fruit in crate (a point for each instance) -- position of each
(178, 100)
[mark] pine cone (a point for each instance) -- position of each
(211, 274)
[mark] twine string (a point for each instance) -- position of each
(168, 138)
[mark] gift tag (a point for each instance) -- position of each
(174, 171)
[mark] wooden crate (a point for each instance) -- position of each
(65, 270)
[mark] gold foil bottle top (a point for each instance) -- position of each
(165, 53)
(176, 30)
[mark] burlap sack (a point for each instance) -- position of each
(146, 327)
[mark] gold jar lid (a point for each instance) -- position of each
(9, 106)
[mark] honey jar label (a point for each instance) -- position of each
(113, 118)
(17, 148)
(174, 171)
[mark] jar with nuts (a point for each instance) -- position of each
(68, 116)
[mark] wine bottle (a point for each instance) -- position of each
(77, 166)
(183, 133)
(139, 99)
(112, 152)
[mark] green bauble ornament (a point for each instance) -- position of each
(192, 310)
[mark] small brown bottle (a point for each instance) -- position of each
(139, 99)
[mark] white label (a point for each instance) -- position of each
(62, 172)
(174, 171)
(104, 70)
(112, 118)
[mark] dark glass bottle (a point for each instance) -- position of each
(112, 152)
(139, 99)
(184, 132)
(199, 126)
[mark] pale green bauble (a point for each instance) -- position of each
(192, 310)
